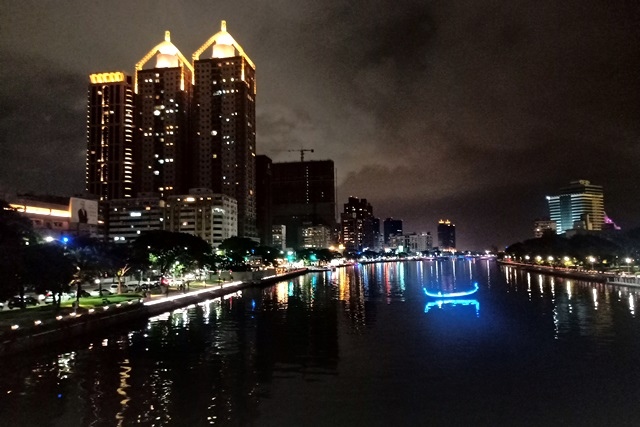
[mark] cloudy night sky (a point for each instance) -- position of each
(466, 110)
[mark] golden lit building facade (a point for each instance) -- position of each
(163, 101)
(224, 124)
(110, 136)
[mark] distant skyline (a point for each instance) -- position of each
(430, 110)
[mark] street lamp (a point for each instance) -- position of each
(628, 261)
(591, 260)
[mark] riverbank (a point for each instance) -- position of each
(592, 276)
(62, 326)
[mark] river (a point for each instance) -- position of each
(360, 346)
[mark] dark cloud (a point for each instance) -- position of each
(467, 110)
(42, 126)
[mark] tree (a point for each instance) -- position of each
(88, 256)
(48, 269)
(16, 233)
(169, 252)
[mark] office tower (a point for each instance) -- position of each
(353, 219)
(540, 226)
(391, 227)
(162, 112)
(264, 204)
(580, 205)
(371, 233)
(446, 236)
(110, 139)
(279, 236)
(303, 193)
(212, 217)
(224, 124)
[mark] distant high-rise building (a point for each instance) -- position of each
(303, 193)
(354, 218)
(446, 235)
(540, 226)
(371, 234)
(162, 112)
(580, 205)
(224, 124)
(391, 227)
(264, 198)
(424, 242)
(110, 136)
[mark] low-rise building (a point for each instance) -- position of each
(212, 217)
(540, 226)
(57, 218)
(316, 236)
(127, 218)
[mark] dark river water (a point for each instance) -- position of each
(361, 346)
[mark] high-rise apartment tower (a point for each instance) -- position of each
(224, 124)
(162, 113)
(446, 235)
(110, 136)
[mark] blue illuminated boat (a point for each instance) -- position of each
(441, 294)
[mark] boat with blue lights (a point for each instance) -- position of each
(442, 295)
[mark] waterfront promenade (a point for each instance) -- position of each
(21, 333)
(589, 275)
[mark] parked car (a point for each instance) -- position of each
(146, 286)
(113, 288)
(17, 302)
(99, 292)
(64, 296)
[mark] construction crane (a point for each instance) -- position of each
(302, 150)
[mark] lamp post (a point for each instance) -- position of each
(628, 261)
(592, 260)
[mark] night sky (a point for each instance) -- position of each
(466, 110)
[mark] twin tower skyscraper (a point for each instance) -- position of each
(176, 125)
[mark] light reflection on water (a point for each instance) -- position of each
(361, 343)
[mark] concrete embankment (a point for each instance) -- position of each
(100, 319)
(562, 272)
